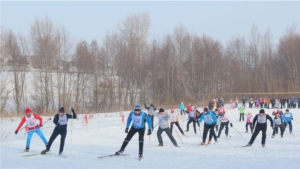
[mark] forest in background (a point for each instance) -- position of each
(46, 69)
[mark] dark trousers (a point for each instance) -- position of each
(244, 104)
(211, 133)
(168, 132)
(182, 112)
(257, 129)
(298, 105)
(177, 124)
(225, 124)
(194, 124)
(250, 105)
(251, 127)
(56, 132)
(242, 117)
(130, 134)
(275, 130)
(152, 120)
(290, 126)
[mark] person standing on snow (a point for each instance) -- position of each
(224, 122)
(181, 107)
(192, 118)
(287, 118)
(138, 118)
(174, 120)
(163, 122)
(249, 122)
(277, 124)
(242, 112)
(33, 125)
(210, 121)
(61, 121)
(151, 111)
(261, 125)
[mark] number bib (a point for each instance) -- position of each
(137, 120)
(63, 120)
(208, 119)
(31, 121)
(192, 114)
(151, 111)
(287, 115)
(277, 121)
(262, 119)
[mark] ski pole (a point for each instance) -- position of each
(296, 121)
(155, 126)
(238, 132)
(43, 124)
(179, 136)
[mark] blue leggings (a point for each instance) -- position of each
(39, 132)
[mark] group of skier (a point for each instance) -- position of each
(137, 118)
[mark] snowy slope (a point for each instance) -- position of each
(105, 134)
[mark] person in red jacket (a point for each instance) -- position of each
(189, 107)
(33, 125)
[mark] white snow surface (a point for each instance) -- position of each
(104, 135)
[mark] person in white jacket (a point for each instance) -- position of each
(163, 122)
(224, 122)
(174, 120)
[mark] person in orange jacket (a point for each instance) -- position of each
(33, 125)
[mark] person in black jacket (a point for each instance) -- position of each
(60, 120)
(261, 125)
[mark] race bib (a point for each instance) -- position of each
(63, 120)
(31, 121)
(208, 119)
(277, 121)
(261, 119)
(137, 120)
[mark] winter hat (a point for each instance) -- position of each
(27, 110)
(61, 110)
(287, 110)
(172, 109)
(262, 111)
(137, 107)
(205, 108)
(161, 110)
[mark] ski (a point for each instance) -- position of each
(112, 155)
(36, 154)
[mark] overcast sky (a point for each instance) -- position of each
(92, 20)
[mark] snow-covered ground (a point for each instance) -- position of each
(105, 134)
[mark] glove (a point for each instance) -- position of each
(58, 124)
(149, 132)
(16, 132)
(292, 118)
(41, 125)
(231, 125)
(72, 110)
(126, 130)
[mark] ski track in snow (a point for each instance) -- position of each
(105, 134)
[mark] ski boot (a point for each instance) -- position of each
(44, 151)
(203, 143)
(248, 145)
(160, 145)
(60, 153)
(119, 152)
(26, 149)
(208, 141)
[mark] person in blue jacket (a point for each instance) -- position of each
(210, 121)
(181, 107)
(298, 102)
(138, 118)
(287, 118)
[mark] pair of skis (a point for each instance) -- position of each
(114, 155)
(39, 154)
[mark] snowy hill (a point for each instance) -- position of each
(105, 134)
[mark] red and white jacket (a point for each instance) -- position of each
(32, 122)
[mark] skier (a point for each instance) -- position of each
(33, 125)
(249, 122)
(151, 111)
(287, 118)
(181, 106)
(298, 102)
(164, 127)
(174, 120)
(61, 121)
(224, 122)
(192, 118)
(209, 123)
(242, 112)
(277, 124)
(261, 125)
(138, 118)
(216, 112)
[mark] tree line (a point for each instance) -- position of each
(47, 69)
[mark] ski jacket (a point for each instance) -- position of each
(31, 122)
(292, 100)
(262, 120)
(249, 118)
(138, 121)
(163, 120)
(242, 110)
(62, 121)
(189, 108)
(181, 106)
(298, 99)
(191, 114)
(278, 121)
(221, 110)
(151, 109)
(209, 118)
(223, 119)
(173, 117)
(287, 117)
(277, 112)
